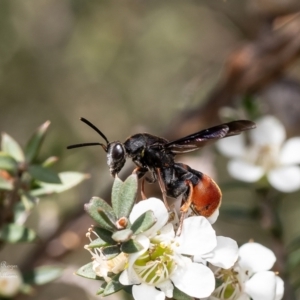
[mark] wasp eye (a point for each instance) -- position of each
(117, 152)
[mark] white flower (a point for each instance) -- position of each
(267, 154)
(250, 277)
(101, 265)
(166, 260)
(10, 280)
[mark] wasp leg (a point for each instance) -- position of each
(144, 197)
(153, 178)
(141, 175)
(162, 186)
(140, 172)
(184, 208)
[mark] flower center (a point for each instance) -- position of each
(155, 265)
(266, 157)
(228, 284)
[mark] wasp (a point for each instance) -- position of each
(156, 155)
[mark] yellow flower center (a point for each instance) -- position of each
(228, 285)
(155, 265)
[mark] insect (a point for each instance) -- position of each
(156, 155)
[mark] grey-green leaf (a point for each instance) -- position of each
(143, 222)
(115, 195)
(11, 147)
(111, 251)
(101, 290)
(28, 201)
(131, 246)
(113, 286)
(50, 161)
(43, 174)
(122, 235)
(93, 207)
(42, 275)
(33, 146)
(14, 233)
(97, 243)
(7, 162)
(68, 179)
(105, 235)
(127, 196)
(87, 271)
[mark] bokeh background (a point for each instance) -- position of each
(164, 67)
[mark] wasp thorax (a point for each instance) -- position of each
(116, 157)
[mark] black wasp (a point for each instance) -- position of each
(156, 155)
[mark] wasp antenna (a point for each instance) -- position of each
(87, 144)
(95, 128)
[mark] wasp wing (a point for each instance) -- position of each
(207, 136)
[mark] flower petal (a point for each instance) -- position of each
(129, 276)
(269, 131)
(196, 280)
(225, 254)
(147, 292)
(165, 235)
(244, 171)
(213, 218)
(261, 286)
(167, 287)
(197, 236)
(279, 288)
(159, 210)
(233, 146)
(285, 179)
(290, 153)
(256, 257)
(243, 296)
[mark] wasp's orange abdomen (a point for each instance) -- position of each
(206, 197)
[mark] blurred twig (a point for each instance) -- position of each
(248, 69)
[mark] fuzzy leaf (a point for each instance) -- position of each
(143, 222)
(87, 271)
(8, 163)
(43, 174)
(127, 196)
(131, 246)
(105, 235)
(20, 213)
(107, 217)
(116, 202)
(97, 243)
(28, 201)
(122, 235)
(68, 179)
(14, 233)
(101, 289)
(111, 251)
(42, 275)
(113, 286)
(50, 161)
(11, 147)
(94, 206)
(33, 146)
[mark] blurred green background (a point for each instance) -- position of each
(127, 66)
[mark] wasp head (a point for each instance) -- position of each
(116, 157)
(116, 153)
